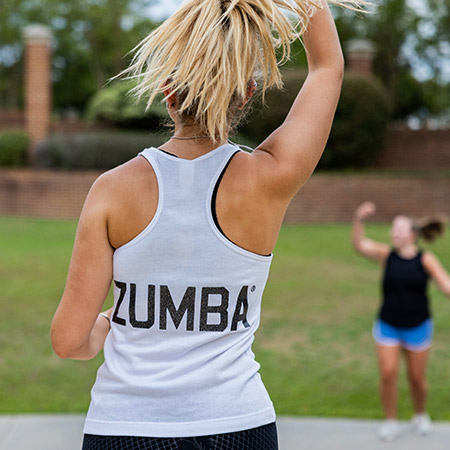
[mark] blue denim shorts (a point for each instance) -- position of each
(415, 339)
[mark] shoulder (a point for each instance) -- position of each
(124, 199)
(427, 255)
(431, 264)
(121, 179)
(115, 189)
(429, 259)
(137, 166)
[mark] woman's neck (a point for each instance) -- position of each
(190, 143)
(408, 251)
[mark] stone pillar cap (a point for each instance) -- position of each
(362, 47)
(37, 33)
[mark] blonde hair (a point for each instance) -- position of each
(209, 50)
(430, 227)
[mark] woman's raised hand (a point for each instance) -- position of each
(365, 210)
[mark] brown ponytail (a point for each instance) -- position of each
(431, 227)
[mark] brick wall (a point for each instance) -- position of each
(46, 194)
(334, 198)
(325, 198)
(12, 119)
(416, 149)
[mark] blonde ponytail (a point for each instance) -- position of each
(431, 227)
(209, 50)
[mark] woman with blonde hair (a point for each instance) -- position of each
(404, 320)
(186, 231)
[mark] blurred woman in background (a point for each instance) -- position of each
(404, 321)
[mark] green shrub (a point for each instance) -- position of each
(94, 150)
(114, 104)
(359, 128)
(13, 148)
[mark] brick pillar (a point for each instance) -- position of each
(360, 54)
(37, 82)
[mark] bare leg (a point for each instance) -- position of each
(388, 360)
(417, 366)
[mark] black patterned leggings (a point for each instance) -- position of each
(261, 438)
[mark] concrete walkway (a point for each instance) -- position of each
(64, 432)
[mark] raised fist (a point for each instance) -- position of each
(365, 210)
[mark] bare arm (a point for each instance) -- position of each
(287, 158)
(437, 272)
(78, 331)
(375, 251)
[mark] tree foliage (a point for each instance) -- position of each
(93, 37)
(13, 148)
(406, 37)
(360, 124)
(91, 40)
(115, 104)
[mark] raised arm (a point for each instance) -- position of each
(435, 269)
(292, 152)
(375, 251)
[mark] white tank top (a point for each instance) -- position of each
(187, 302)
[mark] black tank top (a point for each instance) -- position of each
(405, 300)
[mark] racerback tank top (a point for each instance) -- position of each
(178, 358)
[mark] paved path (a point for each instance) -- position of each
(63, 432)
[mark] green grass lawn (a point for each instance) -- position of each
(314, 343)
